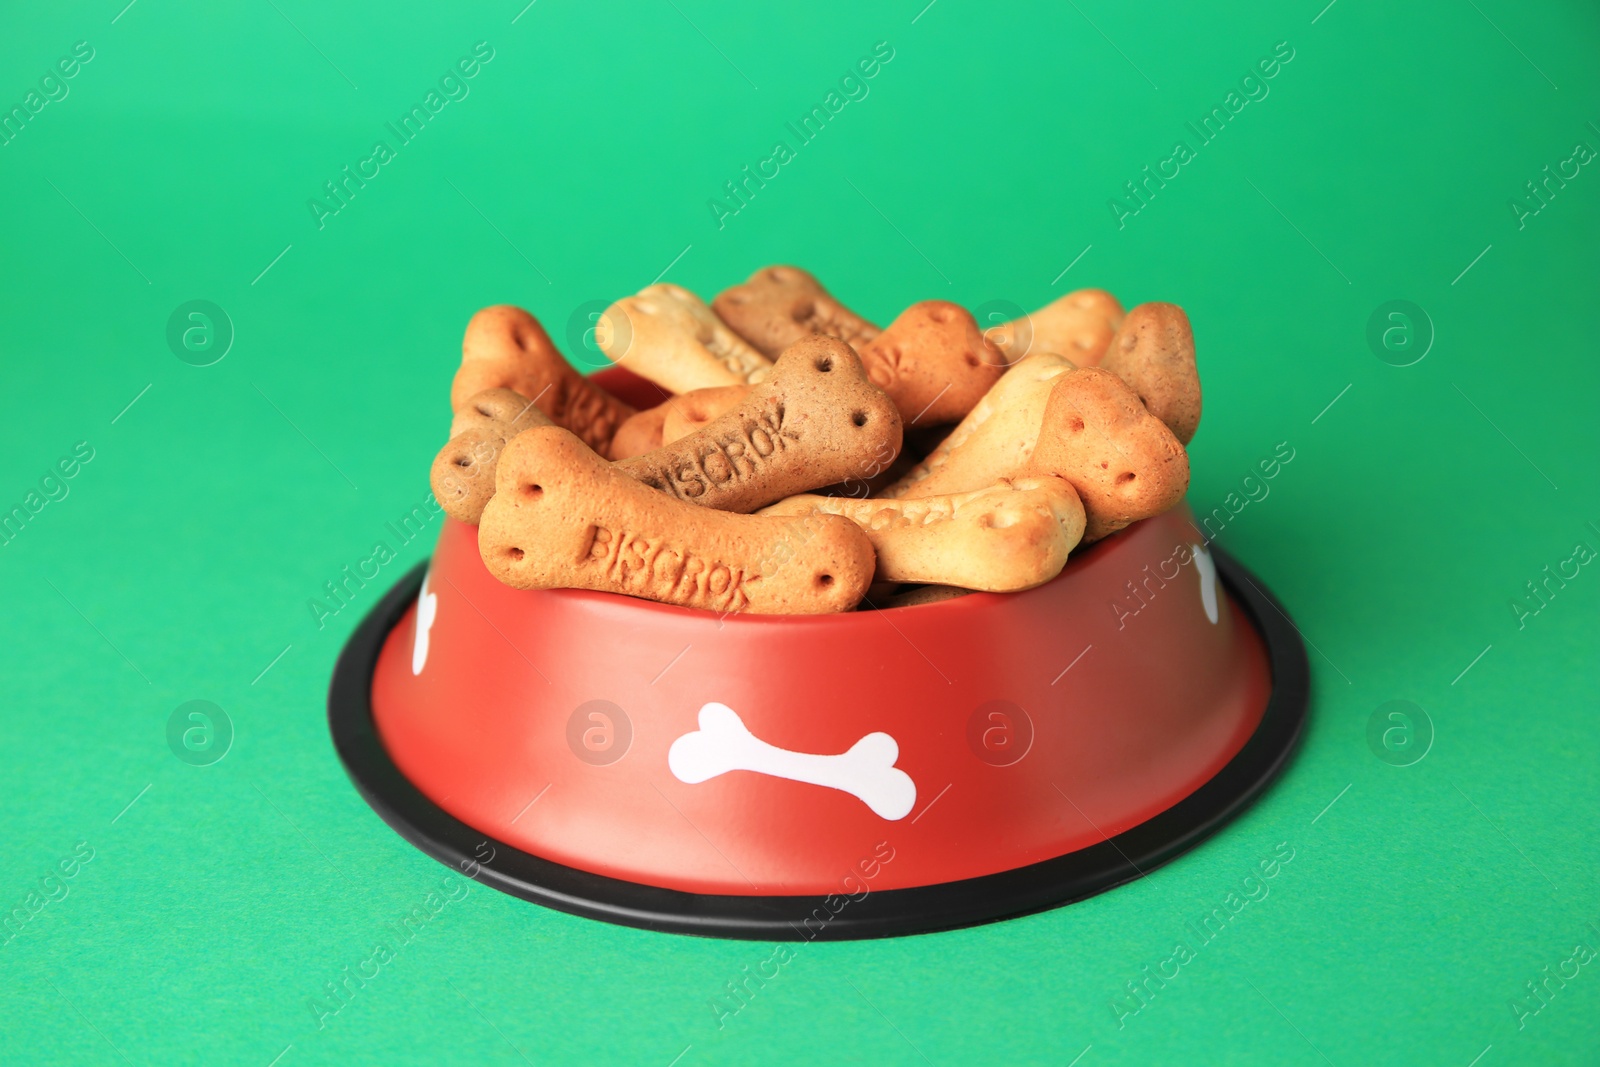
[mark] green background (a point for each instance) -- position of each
(1380, 166)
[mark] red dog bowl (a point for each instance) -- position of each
(839, 776)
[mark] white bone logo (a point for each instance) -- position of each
(1206, 567)
(867, 771)
(427, 611)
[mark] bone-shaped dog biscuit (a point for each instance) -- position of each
(695, 410)
(463, 472)
(676, 417)
(1012, 536)
(996, 438)
(1078, 325)
(1122, 460)
(781, 305)
(639, 433)
(1154, 353)
(866, 770)
(869, 484)
(495, 408)
(562, 517)
(815, 420)
(934, 361)
(506, 348)
(667, 334)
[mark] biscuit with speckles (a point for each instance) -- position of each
(780, 305)
(814, 421)
(563, 518)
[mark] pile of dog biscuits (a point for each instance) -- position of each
(807, 461)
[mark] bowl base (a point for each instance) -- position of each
(883, 913)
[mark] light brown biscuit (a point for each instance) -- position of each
(1154, 353)
(934, 361)
(640, 433)
(694, 410)
(1079, 325)
(667, 334)
(1012, 536)
(463, 472)
(1122, 460)
(781, 305)
(506, 348)
(562, 517)
(815, 420)
(997, 436)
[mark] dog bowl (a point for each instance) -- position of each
(860, 775)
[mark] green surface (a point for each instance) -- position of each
(177, 567)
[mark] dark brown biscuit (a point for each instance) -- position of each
(816, 419)
(781, 305)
